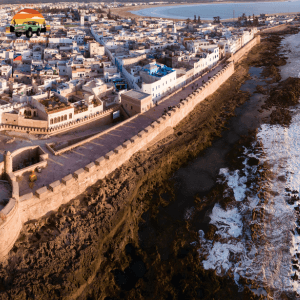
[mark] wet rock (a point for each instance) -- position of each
(295, 277)
(71, 210)
(296, 267)
(209, 235)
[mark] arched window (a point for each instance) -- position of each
(51, 121)
(58, 119)
(55, 120)
(65, 117)
(70, 116)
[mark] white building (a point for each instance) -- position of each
(157, 80)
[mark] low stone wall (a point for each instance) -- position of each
(48, 198)
(41, 164)
(87, 139)
(62, 128)
(42, 159)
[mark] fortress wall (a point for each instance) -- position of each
(10, 226)
(10, 221)
(47, 199)
(239, 54)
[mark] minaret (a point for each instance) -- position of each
(7, 162)
(82, 19)
(174, 28)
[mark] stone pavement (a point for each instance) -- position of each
(68, 162)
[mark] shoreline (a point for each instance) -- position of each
(128, 12)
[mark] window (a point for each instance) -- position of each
(70, 116)
(131, 107)
(55, 120)
(65, 117)
(51, 121)
(58, 119)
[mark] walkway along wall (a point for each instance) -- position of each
(33, 206)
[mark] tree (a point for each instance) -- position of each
(199, 20)
(195, 19)
(255, 21)
(188, 20)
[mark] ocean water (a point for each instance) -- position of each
(269, 259)
(291, 49)
(223, 10)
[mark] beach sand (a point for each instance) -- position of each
(128, 11)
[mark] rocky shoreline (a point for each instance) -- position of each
(73, 253)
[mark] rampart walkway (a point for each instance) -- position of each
(68, 162)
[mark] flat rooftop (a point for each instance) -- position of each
(136, 94)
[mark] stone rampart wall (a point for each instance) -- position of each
(49, 198)
(239, 54)
(10, 221)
